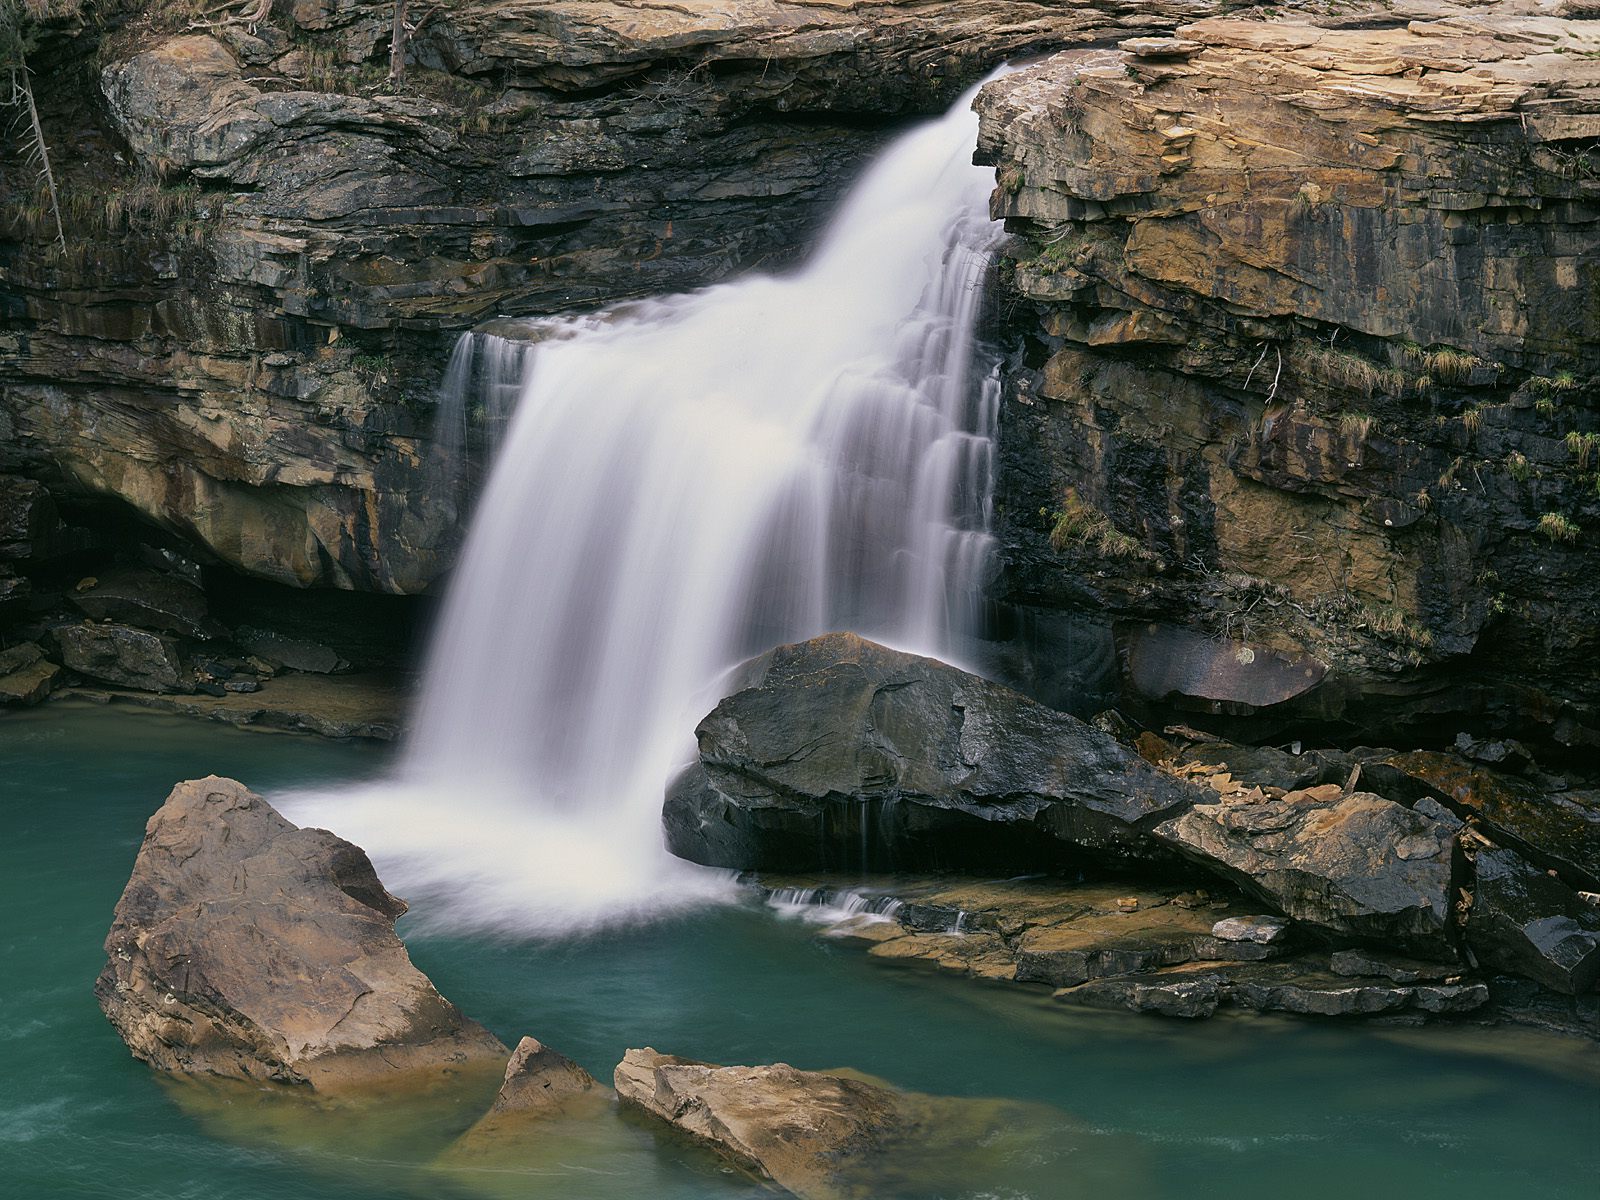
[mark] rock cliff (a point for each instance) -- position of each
(270, 248)
(1301, 422)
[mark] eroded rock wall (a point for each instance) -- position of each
(270, 250)
(1301, 421)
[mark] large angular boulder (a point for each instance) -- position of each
(538, 1079)
(1527, 923)
(841, 753)
(1356, 865)
(247, 947)
(124, 656)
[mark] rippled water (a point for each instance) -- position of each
(1253, 1109)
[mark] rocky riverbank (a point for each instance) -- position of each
(1351, 882)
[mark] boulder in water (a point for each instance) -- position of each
(247, 947)
(26, 676)
(803, 1130)
(841, 753)
(539, 1080)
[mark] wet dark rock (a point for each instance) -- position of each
(26, 676)
(1559, 829)
(1356, 865)
(150, 600)
(1167, 663)
(1524, 922)
(124, 656)
(241, 686)
(1302, 986)
(1389, 966)
(838, 750)
(30, 525)
(298, 654)
(246, 947)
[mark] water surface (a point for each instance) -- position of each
(1141, 1108)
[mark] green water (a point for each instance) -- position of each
(1136, 1107)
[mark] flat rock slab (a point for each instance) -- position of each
(340, 706)
(247, 947)
(833, 1135)
(1303, 986)
(1037, 930)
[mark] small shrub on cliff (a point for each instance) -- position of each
(1518, 466)
(1080, 524)
(1557, 528)
(1582, 446)
(1358, 425)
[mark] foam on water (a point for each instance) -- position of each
(681, 484)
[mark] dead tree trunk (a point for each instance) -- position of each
(397, 43)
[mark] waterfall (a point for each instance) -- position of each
(681, 483)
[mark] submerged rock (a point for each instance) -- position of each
(1355, 865)
(841, 752)
(124, 656)
(803, 1130)
(246, 947)
(538, 1080)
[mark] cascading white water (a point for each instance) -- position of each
(684, 483)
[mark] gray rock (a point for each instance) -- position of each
(246, 947)
(838, 750)
(1388, 966)
(124, 656)
(1263, 929)
(1359, 866)
(1525, 922)
(1302, 986)
(298, 654)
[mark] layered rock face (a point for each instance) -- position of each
(270, 250)
(1301, 422)
(246, 947)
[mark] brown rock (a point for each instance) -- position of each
(804, 1130)
(538, 1080)
(244, 946)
